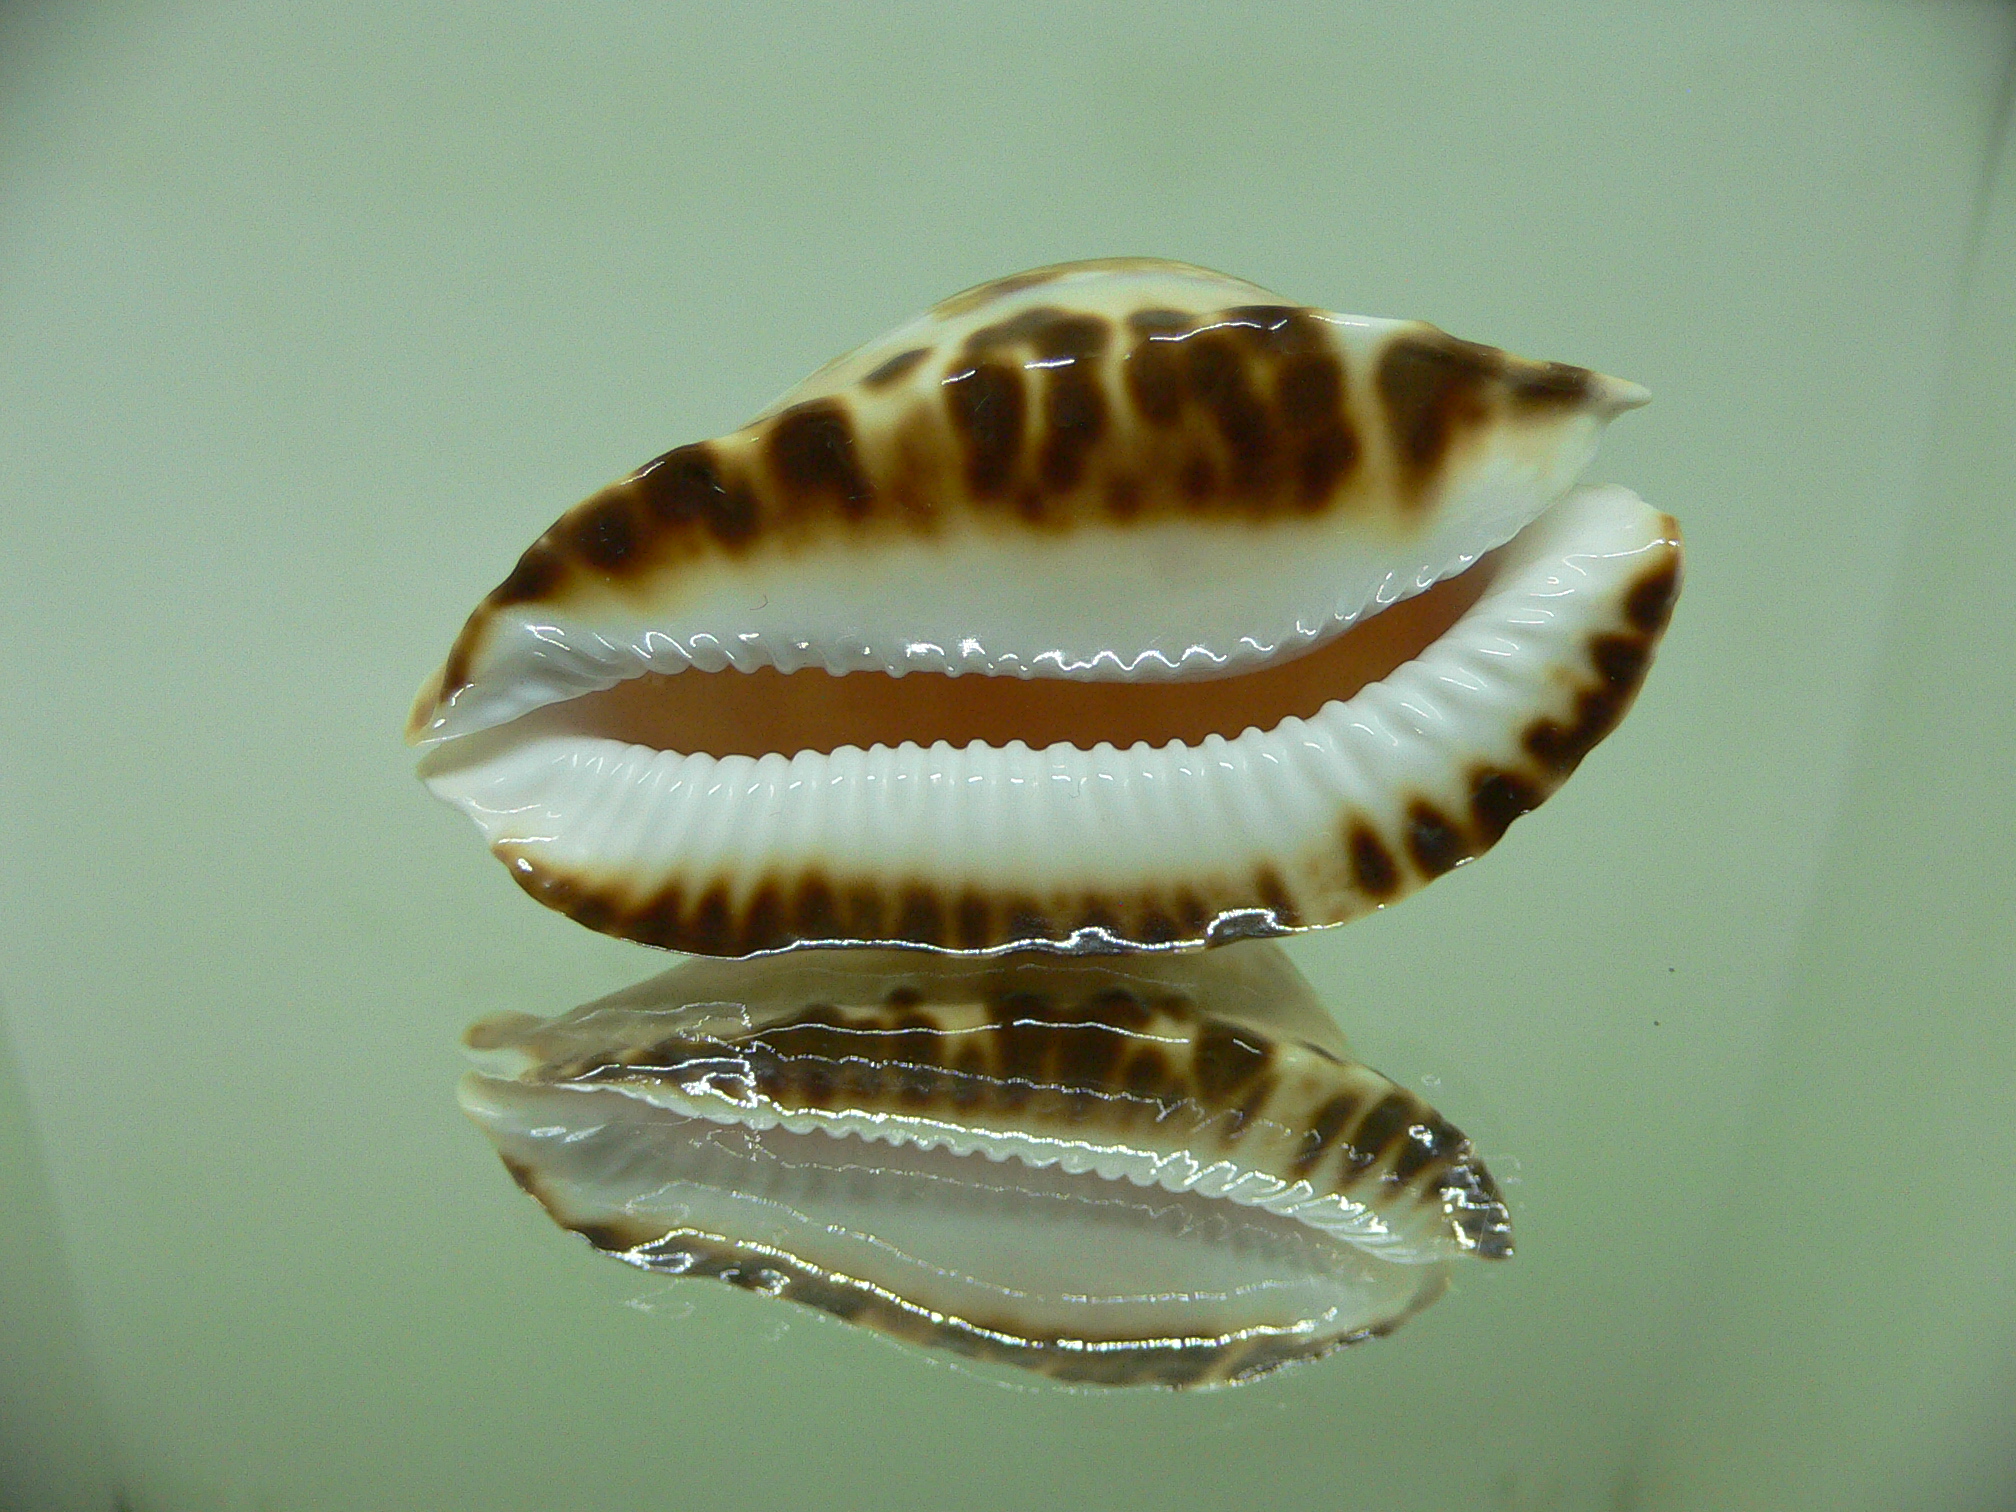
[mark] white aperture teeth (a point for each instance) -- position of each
(556, 658)
(1061, 823)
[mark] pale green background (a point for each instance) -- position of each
(311, 321)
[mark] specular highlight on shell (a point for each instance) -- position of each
(1157, 1170)
(1116, 605)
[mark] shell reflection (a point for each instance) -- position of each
(1148, 1170)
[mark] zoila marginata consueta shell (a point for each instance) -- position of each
(1154, 1169)
(1113, 605)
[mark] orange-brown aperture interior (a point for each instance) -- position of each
(755, 713)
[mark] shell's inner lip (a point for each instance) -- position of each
(764, 711)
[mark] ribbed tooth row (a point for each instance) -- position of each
(1330, 808)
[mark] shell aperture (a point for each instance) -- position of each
(1143, 1170)
(1116, 605)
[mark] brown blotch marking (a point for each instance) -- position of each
(1161, 322)
(1387, 1121)
(913, 1085)
(1148, 1074)
(1241, 1118)
(611, 1238)
(1154, 371)
(807, 1053)
(1472, 1202)
(1433, 839)
(604, 534)
(455, 671)
(1323, 462)
(1117, 1008)
(523, 1174)
(1080, 337)
(863, 908)
(1027, 921)
(1309, 395)
(1548, 385)
(1097, 913)
(658, 922)
(1156, 927)
(1074, 418)
(1024, 1040)
(905, 999)
(1225, 1059)
(1198, 479)
(1273, 896)
(861, 1076)
(1443, 1141)
(971, 1074)
(1086, 1056)
(920, 917)
(1324, 1129)
(763, 921)
(896, 367)
(1649, 605)
(710, 931)
(667, 1055)
(1051, 332)
(687, 485)
(815, 1033)
(1497, 798)
(1218, 379)
(1373, 868)
(1309, 389)
(592, 911)
(972, 922)
(1009, 1005)
(777, 1077)
(1621, 659)
(1192, 916)
(843, 1302)
(536, 575)
(811, 451)
(1123, 496)
(913, 1062)
(1620, 662)
(917, 1039)
(987, 405)
(815, 913)
(1433, 388)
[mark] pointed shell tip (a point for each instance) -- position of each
(1620, 394)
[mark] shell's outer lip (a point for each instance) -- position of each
(978, 849)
